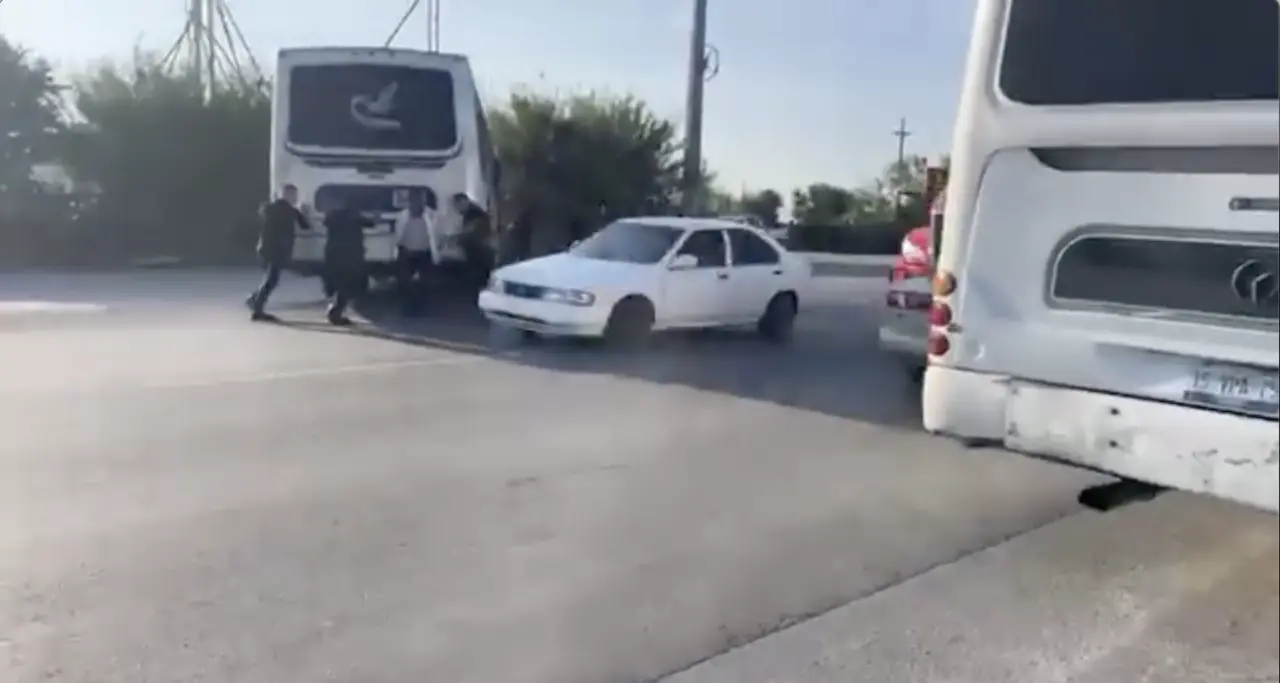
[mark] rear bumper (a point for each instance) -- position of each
(543, 317)
(1228, 456)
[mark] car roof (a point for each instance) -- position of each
(685, 223)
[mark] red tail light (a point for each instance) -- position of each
(939, 314)
(939, 345)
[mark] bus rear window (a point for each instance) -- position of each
(1082, 52)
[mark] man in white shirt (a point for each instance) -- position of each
(415, 238)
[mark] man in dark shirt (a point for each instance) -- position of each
(275, 246)
(344, 258)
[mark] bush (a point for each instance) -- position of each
(869, 239)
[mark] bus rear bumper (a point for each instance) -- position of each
(1202, 451)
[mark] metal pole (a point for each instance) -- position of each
(692, 190)
(210, 23)
(195, 20)
(902, 134)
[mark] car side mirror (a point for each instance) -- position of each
(574, 244)
(684, 262)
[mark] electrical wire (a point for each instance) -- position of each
(413, 6)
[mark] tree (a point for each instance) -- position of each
(31, 115)
(31, 127)
(822, 204)
(579, 161)
(764, 205)
(178, 175)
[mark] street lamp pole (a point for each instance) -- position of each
(692, 190)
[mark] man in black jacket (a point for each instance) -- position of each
(275, 246)
(344, 258)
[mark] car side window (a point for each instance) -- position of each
(750, 250)
(708, 246)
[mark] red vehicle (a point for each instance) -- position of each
(904, 330)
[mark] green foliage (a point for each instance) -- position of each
(161, 169)
(178, 174)
(901, 184)
(32, 123)
(584, 156)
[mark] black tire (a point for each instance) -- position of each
(630, 323)
(915, 372)
(779, 319)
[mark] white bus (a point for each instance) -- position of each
(366, 126)
(1106, 292)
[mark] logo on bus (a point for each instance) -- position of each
(374, 111)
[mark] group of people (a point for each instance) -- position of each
(420, 246)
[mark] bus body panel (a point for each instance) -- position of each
(1103, 257)
(376, 179)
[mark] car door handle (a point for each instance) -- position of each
(777, 272)
(722, 276)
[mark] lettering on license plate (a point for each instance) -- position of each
(1236, 388)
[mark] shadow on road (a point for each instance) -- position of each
(832, 366)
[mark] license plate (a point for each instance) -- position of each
(1235, 388)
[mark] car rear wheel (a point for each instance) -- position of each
(630, 323)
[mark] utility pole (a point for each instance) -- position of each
(692, 190)
(212, 48)
(902, 134)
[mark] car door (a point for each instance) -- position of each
(757, 273)
(699, 294)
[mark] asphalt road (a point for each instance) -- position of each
(185, 496)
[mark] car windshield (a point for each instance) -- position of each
(629, 242)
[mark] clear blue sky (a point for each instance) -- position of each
(809, 90)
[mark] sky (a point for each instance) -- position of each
(808, 90)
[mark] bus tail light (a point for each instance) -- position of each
(939, 345)
(939, 314)
(944, 283)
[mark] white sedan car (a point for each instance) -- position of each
(639, 275)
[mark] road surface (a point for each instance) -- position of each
(189, 497)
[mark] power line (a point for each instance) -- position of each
(213, 48)
(433, 24)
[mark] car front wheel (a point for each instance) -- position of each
(630, 323)
(779, 319)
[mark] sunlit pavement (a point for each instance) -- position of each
(188, 496)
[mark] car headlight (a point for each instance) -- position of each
(573, 297)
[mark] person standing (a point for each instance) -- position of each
(275, 246)
(344, 259)
(414, 252)
(476, 237)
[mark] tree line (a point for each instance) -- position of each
(131, 160)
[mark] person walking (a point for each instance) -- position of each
(344, 264)
(414, 252)
(275, 247)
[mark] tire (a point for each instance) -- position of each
(779, 319)
(630, 323)
(915, 373)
